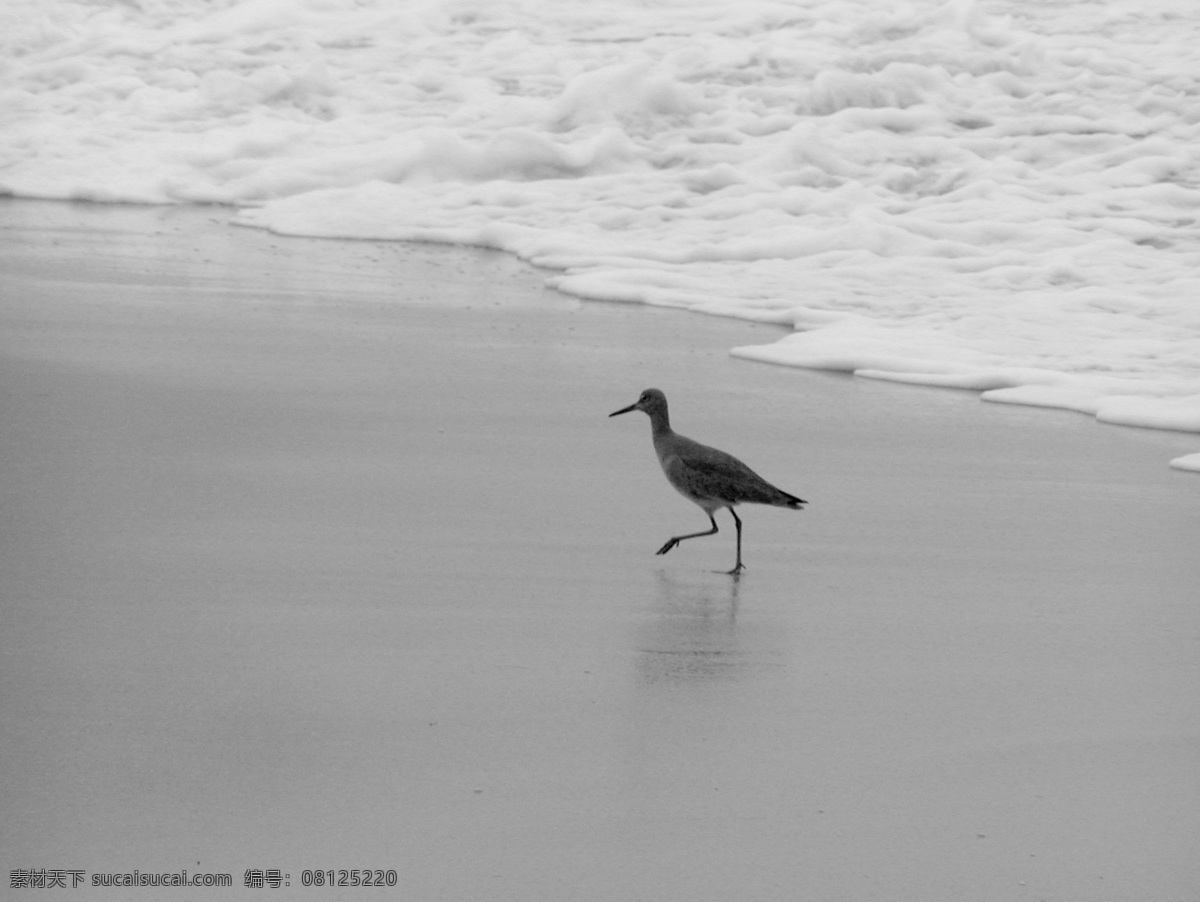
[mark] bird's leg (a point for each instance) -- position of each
(738, 568)
(671, 543)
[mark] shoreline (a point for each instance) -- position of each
(327, 553)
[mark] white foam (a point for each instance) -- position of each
(1187, 462)
(996, 196)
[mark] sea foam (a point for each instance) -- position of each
(995, 196)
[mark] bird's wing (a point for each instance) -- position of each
(710, 473)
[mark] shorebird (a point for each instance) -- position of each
(704, 475)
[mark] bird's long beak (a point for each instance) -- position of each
(617, 413)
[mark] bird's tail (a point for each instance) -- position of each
(792, 501)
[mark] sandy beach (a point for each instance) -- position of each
(325, 555)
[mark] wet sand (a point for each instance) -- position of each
(326, 555)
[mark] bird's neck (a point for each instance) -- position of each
(660, 424)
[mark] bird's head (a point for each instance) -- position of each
(651, 402)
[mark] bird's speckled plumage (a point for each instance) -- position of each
(706, 476)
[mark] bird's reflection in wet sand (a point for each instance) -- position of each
(694, 634)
